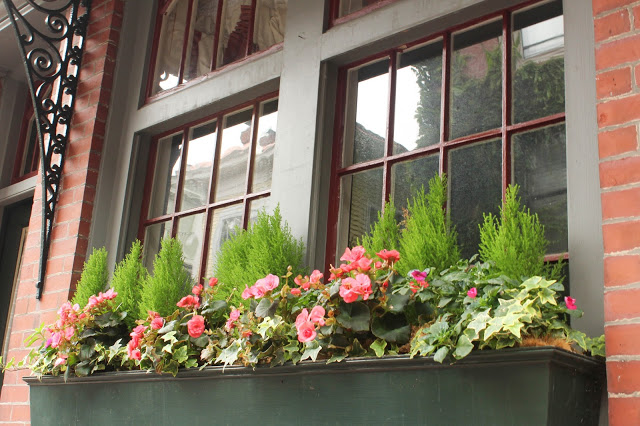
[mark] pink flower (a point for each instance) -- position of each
(378, 265)
(195, 326)
(110, 294)
(472, 293)
(246, 293)
(69, 332)
(197, 289)
(570, 302)
(315, 277)
(296, 291)
(229, 324)
(234, 315)
(157, 323)
(138, 331)
(352, 288)
(317, 315)
(353, 255)
(132, 349)
(246, 333)
(390, 256)
(55, 340)
(213, 282)
(306, 332)
(269, 282)
(258, 291)
(48, 342)
(135, 354)
(61, 360)
(302, 317)
(419, 275)
(189, 302)
(363, 264)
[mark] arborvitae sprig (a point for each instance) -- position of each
(94, 278)
(429, 239)
(128, 279)
(169, 283)
(385, 232)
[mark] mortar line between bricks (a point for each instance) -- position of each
(624, 395)
(616, 9)
(618, 126)
(614, 221)
(617, 358)
(616, 66)
(625, 321)
(631, 154)
(623, 253)
(613, 289)
(620, 187)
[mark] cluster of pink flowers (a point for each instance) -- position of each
(307, 282)
(97, 301)
(189, 302)
(233, 317)
(351, 288)
(133, 347)
(420, 278)
(156, 320)
(261, 287)
(306, 323)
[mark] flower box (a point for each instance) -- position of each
(525, 386)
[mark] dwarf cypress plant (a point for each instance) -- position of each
(94, 278)
(385, 232)
(169, 283)
(429, 239)
(128, 278)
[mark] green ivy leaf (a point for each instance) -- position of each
(356, 349)
(378, 347)
(230, 354)
(354, 316)
(170, 337)
(311, 351)
(547, 296)
(463, 347)
(336, 358)
(444, 302)
(168, 327)
(191, 363)
(441, 354)
(391, 327)
(180, 354)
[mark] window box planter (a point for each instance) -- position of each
(526, 386)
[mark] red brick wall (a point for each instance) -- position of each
(617, 38)
(75, 208)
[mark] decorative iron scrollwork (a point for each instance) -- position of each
(51, 36)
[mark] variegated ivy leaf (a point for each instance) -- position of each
(268, 325)
(311, 351)
(547, 296)
(168, 348)
(479, 323)
(514, 328)
(170, 337)
(495, 325)
(336, 357)
(441, 354)
(230, 354)
(180, 355)
(463, 347)
(378, 347)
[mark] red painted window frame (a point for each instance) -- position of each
(334, 8)
(162, 7)
(212, 205)
(17, 175)
(442, 148)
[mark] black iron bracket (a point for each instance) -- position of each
(51, 36)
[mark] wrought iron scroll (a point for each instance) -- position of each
(51, 36)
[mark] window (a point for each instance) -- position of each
(207, 178)
(28, 152)
(342, 10)
(483, 103)
(194, 37)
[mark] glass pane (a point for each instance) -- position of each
(263, 162)
(165, 177)
(190, 232)
(258, 205)
(361, 200)
(234, 31)
(270, 24)
(475, 188)
(232, 166)
(223, 223)
(418, 88)
(201, 39)
(476, 80)
(350, 6)
(540, 168)
(31, 154)
(153, 236)
(407, 178)
(538, 62)
(197, 174)
(170, 45)
(366, 120)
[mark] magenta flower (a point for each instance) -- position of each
(472, 293)
(419, 275)
(570, 302)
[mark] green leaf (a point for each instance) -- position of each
(230, 354)
(397, 302)
(391, 327)
(357, 349)
(171, 367)
(378, 347)
(87, 351)
(336, 358)
(83, 369)
(201, 341)
(354, 316)
(215, 306)
(463, 347)
(170, 337)
(311, 351)
(88, 332)
(444, 302)
(191, 363)
(168, 348)
(547, 296)
(180, 354)
(266, 308)
(441, 354)
(579, 337)
(168, 327)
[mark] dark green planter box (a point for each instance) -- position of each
(537, 386)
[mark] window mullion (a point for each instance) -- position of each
(388, 149)
(444, 101)
(216, 159)
(250, 162)
(205, 244)
(252, 23)
(185, 42)
(506, 100)
(148, 185)
(216, 37)
(183, 165)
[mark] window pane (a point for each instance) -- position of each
(232, 166)
(263, 162)
(361, 200)
(165, 179)
(234, 31)
(538, 62)
(201, 39)
(170, 45)
(270, 24)
(476, 80)
(366, 120)
(258, 205)
(153, 236)
(540, 168)
(418, 88)
(190, 232)
(475, 188)
(350, 6)
(407, 178)
(223, 223)
(202, 147)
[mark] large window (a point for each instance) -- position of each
(483, 103)
(207, 178)
(194, 37)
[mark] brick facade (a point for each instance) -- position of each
(69, 239)
(617, 38)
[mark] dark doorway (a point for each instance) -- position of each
(13, 234)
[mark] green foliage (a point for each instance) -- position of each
(266, 247)
(169, 282)
(429, 239)
(94, 279)
(127, 281)
(515, 241)
(385, 232)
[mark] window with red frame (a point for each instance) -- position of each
(194, 37)
(346, 8)
(482, 102)
(207, 178)
(28, 152)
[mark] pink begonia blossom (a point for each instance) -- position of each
(353, 255)
(189, 302)
(246, 293)
(315, 277)
(472, 293)
(352, 288)
(306, 332)
(213, 282)
(296, 291)
(55, 339)
(391, 256)
(195, 326)
(48, 342)
(570, 302)
(61, 360)
(258, 291)
(302, 317)
(269, 282)
(132, 349)
(157, 323)
(378, 265)
(363, 264)
(69, 332)
(419, 275)
(317, 315)
(229, 324)
(246, 333)
(197, 289)
(235, 314)
(135, 354)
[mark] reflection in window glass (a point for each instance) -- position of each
(234, 153)
(366, 121)
(224, 222)
(170, 45)
(234, 31)
(409, 177)
(166, 176)
(261, 204)
(201, 39)
(540, 168)
(153, 236)
(350, 6)
(200, 152)
(361, 199)
(190, 233)
(476, 80)
(266, 143)
(475, 187)
(418, 103)
(538, 62)
(270, 24)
